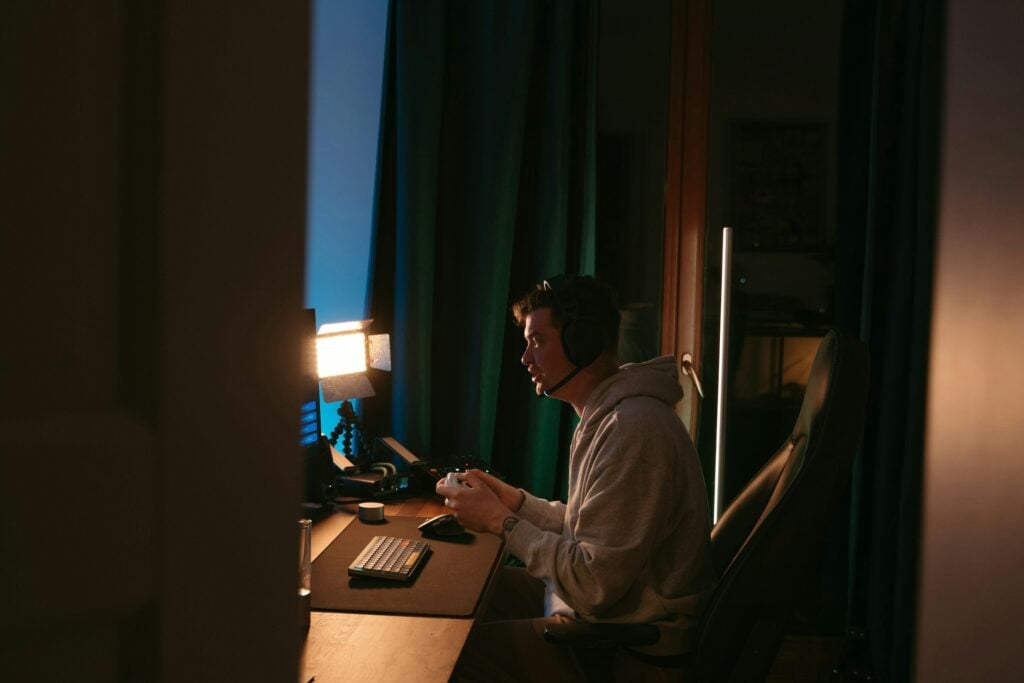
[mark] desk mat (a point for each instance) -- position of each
(449, 583)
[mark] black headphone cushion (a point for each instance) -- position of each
(583, 334)
(583, 340)
(583, 313)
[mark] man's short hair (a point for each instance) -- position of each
(574, 296)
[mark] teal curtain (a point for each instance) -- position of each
(486, 185)
(889, 132)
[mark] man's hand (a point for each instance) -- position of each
(510, 496)
(475, 504)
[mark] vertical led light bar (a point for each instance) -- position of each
(723, 369)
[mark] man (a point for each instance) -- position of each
(631, 545)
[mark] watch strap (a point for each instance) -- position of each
(508, 525)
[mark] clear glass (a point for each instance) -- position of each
(305, 570)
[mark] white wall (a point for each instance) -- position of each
(345, 102)
(971, 596)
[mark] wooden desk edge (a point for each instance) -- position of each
(383, 647)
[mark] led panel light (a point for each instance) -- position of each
(341, 354)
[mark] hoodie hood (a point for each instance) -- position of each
(657, 378)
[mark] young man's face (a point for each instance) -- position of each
(544, 357)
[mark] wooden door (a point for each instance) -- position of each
(152, 205)
(686, 193)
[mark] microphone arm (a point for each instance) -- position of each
(564, 381)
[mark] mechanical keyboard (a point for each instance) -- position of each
(387, 557)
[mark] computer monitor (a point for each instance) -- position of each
(316, 455)
(309, 415)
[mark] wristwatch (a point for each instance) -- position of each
(508, 525)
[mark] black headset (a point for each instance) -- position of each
(582, 329)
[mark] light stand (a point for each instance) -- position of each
(350, 427)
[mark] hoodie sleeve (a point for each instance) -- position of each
(548, 515)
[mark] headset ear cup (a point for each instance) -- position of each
(568, 343)
(582, 332)
(582, 341)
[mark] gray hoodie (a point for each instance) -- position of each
(632, 543)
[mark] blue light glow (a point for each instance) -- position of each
(347, 74)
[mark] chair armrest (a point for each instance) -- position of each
(583, 634)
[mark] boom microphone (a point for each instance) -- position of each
(565, 380)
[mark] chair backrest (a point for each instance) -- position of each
(769, 538)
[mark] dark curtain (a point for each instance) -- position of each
(889, 130)
(486, 185)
